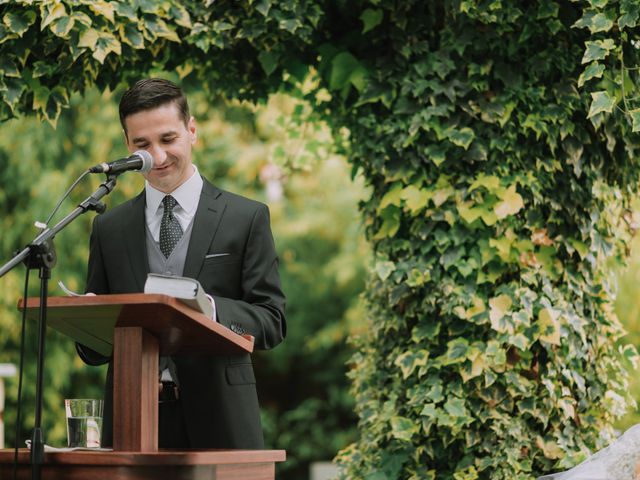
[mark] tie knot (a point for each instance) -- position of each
(169, 203)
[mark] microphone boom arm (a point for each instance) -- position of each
(92, 202)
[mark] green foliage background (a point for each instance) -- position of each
(628, 310)
(501, 171)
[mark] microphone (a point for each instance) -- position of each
(140, 161)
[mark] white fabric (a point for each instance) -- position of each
(616, 462)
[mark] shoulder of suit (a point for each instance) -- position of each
(115, 213)
(234, 200)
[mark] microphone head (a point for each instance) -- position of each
(147, 160)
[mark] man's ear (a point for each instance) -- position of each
(193, 131)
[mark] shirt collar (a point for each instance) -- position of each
(187, 195)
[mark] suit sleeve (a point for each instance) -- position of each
(96, 283)
(260, 309)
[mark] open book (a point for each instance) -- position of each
(187, 290)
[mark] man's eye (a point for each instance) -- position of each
(168, 140)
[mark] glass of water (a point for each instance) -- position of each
(84, 422)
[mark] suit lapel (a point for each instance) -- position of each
(135, 233)
(205, 225)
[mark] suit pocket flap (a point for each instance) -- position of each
(240, 374)
(216, 258)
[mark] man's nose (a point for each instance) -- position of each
(159, 155)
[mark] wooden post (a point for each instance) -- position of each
(135, 390)
(6, 370)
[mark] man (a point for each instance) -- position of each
(183, 225)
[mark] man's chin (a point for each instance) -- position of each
(162, 184)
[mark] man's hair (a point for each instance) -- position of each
(152, 93)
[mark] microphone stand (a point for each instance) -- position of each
(40, 254)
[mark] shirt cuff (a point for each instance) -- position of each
(214, 317)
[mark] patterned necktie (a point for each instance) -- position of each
(170, 229)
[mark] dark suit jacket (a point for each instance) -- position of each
(217, 392)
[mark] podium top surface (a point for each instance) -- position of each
(179, 329)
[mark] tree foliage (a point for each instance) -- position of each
(501, 173)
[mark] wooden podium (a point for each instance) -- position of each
(138, 328)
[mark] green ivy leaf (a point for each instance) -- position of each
(461, 138)
(159, 28)
(410, 360)
(468, 213)
(429, 410)
(82, 19)
(180, 15)
(150, 6)
(635, 119)
(403, 428)
(62, 26)
(457, 351)
(8, 68)
(19, 22)
(102, 8)
(390, 223)
(549, 448)
(520, 341)
(499, 307)
(490, 182)
(346, 70)
(40, 97)
(417, 277)
(268, 61)
(130, 35)
(342, 65)
(415, 198)
(601, 102)
(51, 12)
(42, 68)
(597, 50)
(503, 246)
(125, 9)
(88, 39)
(14, 91)
(511, 203)
(425, 330)
(436, 153)
(631, 354)
(392, 197)
(595, 70)
(384, 269)
(549, 326)
(456, 407)
(57, 99)
(106, 44)
(600, 23)
(629, 19)
(371, 18)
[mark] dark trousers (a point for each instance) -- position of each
(172, 432)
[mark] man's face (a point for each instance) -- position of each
(163, 134)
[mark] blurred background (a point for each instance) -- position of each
(275, 153)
